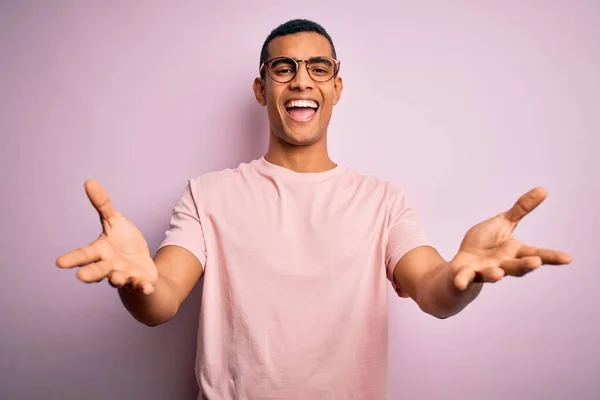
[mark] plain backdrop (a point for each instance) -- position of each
(464, 104)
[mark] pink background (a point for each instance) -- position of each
(465, 105)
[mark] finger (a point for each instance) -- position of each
(143, 286)
(526, 204)
(95, 272)
(81, 256)
(490, 275)
(146, 287)
(118, 279)
(548, 256)
(464, 277)
(521, 266)
(139, 285)
(99, 199)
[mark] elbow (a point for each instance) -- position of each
(438, 312)
(440, 305)
(162, 317)
(153, 324)
(154, 320)
(442, 315)
(436, 309)
(152, 317)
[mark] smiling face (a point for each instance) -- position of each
(300, 110)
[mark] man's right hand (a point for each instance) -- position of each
(120, 254)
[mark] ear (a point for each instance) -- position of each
(259, 91)
(338, 86)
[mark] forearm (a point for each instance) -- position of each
(153, 309)
(438, 295)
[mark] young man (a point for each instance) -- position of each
(296, 251)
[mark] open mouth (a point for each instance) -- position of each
(301, 110)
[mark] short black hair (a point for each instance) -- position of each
(292, 27)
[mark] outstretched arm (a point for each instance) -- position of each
(487, 253)
(152, 290)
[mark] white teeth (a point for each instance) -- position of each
(302, 103)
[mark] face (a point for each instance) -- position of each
(298, 125)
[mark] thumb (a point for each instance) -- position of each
(464, 277)
(99, 199)
(525, 204)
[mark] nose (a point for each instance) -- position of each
(302, 80)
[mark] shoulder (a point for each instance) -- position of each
(222, 180)
(387, 190)
(226, 175)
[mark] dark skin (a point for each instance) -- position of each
(300, 146)
(488, 252)
(152, 289)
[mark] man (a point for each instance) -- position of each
(295, 250)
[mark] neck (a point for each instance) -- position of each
(305, 159)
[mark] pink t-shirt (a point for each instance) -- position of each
(294, 303)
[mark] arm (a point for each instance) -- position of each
(178, 263)
(416, 269)
(429, 280)
(152, 290)
(178, 272)
(487, 253)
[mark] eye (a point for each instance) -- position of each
(320, 70)
(283, 67)
(284, 70)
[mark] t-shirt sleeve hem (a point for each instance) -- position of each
(191, 247)
(396, 256)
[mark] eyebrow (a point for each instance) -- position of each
(321, 59)
(280, 60)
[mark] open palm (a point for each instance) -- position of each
(120, 254)
(489, 251)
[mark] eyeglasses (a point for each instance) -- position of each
(284, 69)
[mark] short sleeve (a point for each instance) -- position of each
(405, 234)
(185, 227)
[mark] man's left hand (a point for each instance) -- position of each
(489, 250)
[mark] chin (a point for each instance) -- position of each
(300, 139)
